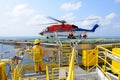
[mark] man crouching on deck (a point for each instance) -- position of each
(38, 52)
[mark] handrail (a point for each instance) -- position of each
(18, 69)
(106, 52)
(59, 42)
(60, 48)
(104, 72)
(76, 50)
(71, 67)
(47, 73)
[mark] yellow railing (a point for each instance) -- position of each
(69, 72)
(47, 73)
(17, 69)
(71, 67)
(104, 59)
(15, 75)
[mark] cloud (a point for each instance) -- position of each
(68, 17)
(110, 16)
(100, 20)
(91, 20)
(21, 10)
(37, 20)
(71, 6)
(117, 0)
(108, 19)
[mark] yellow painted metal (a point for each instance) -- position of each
(30, 79)
(65, 45)
(87, 46)
(3, 74)
(6, 61)
(70, 73)
(104, 59)
(18, 72)
(18, 69)
(15, 75)
(47, 73)
(115, 64)
(114, 52)
(87, 56)
(28, 67)
(119, 76)
(71, 67)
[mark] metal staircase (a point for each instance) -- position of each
(66, 54)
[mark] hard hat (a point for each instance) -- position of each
(36, 41)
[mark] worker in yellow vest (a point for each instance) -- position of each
(37, 52)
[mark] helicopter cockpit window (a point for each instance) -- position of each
(47, 29)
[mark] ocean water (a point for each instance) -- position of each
(6, 50)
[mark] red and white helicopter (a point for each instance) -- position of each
(62, 28)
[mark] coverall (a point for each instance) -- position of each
(37, 52)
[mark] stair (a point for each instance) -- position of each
(66, 54)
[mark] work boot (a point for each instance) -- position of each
(40, 72)
(37, 72)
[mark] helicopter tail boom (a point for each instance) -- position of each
(92, 30)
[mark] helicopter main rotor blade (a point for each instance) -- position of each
(47, 23)
(61, 21)
(54, 19)
(90, 19)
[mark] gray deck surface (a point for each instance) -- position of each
(81, 74)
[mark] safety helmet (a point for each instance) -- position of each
(36, 41)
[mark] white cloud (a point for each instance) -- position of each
(117, 0)
(21, 10)
(90, 20)
(100, 20)
(71, 18)
(108, 18)
(37, 20)
(71, 6)
(68, 17)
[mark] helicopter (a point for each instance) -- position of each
(62, 28)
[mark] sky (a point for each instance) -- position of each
(24, 17)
